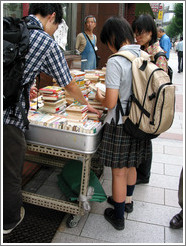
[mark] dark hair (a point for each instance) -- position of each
(89, 16)
(45, 9)
(115, 31)
(181, 38)
(146, 23)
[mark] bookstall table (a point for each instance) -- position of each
(35, 144)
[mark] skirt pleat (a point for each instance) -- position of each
(118, 149)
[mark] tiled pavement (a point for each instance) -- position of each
(154, 203)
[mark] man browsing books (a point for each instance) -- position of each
(44, 55)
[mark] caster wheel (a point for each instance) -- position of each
(72, 221)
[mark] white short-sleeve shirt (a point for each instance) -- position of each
(119, 76)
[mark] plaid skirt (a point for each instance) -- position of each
(118, 149)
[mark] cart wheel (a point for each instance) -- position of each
(73, 221)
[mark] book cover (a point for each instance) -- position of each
(53, 110)
(50, 89)
(77, 108)
(55, 103)
(52, 97)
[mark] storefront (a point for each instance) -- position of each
(74, 14)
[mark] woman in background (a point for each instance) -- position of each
(145, 32)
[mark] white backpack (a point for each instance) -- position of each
(151, 106)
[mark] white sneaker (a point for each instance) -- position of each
(22, 214)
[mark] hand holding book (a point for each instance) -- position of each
(93, 110)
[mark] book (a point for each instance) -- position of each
(99, 85)
(55, 103)
(49, 109)
(50, 89)
(53, 97)
(77, 108)
(77, 118)
(93, 116)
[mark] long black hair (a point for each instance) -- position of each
(115, 31)
(45, 9)
(145, 23)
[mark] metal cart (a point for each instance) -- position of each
(66, 144)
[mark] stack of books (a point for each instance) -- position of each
(53, 99)
(78, 76)
(61, 122)
(77, 113)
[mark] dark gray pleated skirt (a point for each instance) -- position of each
(118, 149)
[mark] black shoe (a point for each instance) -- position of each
(128, 206)
(142, 181)
(176, 222)
(178, 71)
(118, 224)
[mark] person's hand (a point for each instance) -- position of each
(33, 92)
(99, 97)
(93, 110)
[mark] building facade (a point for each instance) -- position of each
(74, 14)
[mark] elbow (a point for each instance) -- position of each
(110, 105)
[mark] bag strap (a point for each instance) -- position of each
(127, 54)
(158, 55)
(91, 44)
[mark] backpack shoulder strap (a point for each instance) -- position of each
(161, 53)
(127, 54)
(131, 57)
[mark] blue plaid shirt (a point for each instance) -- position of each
(44, 56)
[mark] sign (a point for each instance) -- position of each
(154, 7)
(160, 7)
(160, 15)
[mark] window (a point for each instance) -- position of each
(12, 9)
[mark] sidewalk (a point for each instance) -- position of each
(154, 203)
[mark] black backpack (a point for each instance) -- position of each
(170, 71)
(15, 48)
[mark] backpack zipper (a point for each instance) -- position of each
(161, 111)
(153, 116)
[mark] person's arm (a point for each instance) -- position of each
(80, 43)
(110, 99)
(74, 90)
(57, 67)
(113, 77)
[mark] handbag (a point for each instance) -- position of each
(97, 57)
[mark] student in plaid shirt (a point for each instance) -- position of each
(44, 56)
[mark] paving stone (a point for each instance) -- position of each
(157, 168)
(167, 142)
(169, 159)
(163, 181)
(135, 232)
(173, 170)
(99, 207)
(76, 230)
(174, 150)
(107, 173)
(158, 148)
(148, 194)
(107, 186)
(152, 213)
(171, 198)
(173, 235)
(69, 238)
